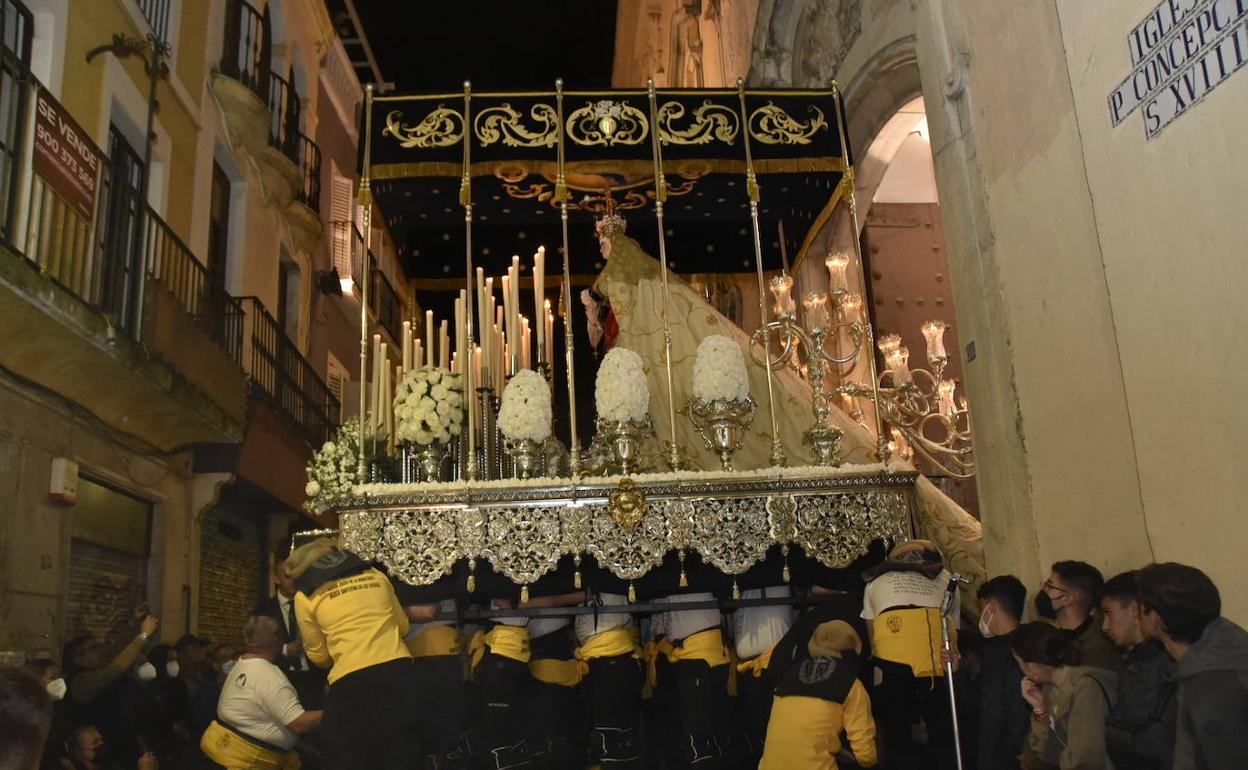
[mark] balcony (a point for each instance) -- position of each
(241, 83)
(99, 300)
(304, 212)
(384, 303)
(290, 165)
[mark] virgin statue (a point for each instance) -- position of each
(631, 282)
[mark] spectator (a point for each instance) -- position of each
(352, 623)
(25, 713)
(191, 696)
(1068, 597)
(1181, 606)
(902, 606)
(309, 680)
(1004, 714)
(1140, 730)
(1069, 701)
(818, 697)
(88, 751)
(259, 717)
(99, 693)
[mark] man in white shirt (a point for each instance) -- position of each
(259, 717)
(309, 680)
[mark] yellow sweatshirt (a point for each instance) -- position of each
(804, 733)
(352, 623)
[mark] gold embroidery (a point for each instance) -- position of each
(710, 121)
(503, 123)
(440, 128)
(607, 122)
(770, 124)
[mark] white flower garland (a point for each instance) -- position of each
(719, 370)
(621, 392)
(526, 412)
(331, 473)
(428, 406)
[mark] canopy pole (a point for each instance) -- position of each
(660, 197)
(465, 198)
(881, 443)
(562, 195)
(366, 201)
(751, 187)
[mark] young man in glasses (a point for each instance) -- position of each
(1068, 598)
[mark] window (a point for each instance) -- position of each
(289, 296)
(218, 227)
(157, 14)
(123, 188)
(337, 377)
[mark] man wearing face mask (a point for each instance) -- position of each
(1068, 598)
(1004, 715)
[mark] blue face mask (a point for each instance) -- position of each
(227, 667)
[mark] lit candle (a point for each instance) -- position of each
(897, 361)
(455, 362)
(934, 333)
(383, 402)
(889, 344)
(851, 308)
(944, 398)
(407, 345)
(782, 288)
(539, 295)
(485, 316)
(525, 343)
(837, 265)
(429, 338)
(550, 331)
(507, 314)
(374, 388)
(419, 354)
(459, 327)
(476, 364)
(816, 303)
(444, 345)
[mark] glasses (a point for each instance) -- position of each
(1049, 585)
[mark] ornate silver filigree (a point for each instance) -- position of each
(421, 546)
(523, 543)
(837, 529)
(731, 533)
(626, 553)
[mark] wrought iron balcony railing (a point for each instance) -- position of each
(284, 379)
(246, 53)
(308, 158)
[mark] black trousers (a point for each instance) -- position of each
(444, 711)
(560, 727)
(709, 736)
(508, 721)
(754, 696)
(613, 691)
(372, 719)
(901, 700)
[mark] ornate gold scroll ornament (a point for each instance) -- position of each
(503, 123)
(770, 124)
(440, 128)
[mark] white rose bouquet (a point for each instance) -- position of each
(331, 473)
(719, 370)
(621, 392)
(526, 411)
(428, 406)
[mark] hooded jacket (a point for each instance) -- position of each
(1073, 737)
(1212, 730)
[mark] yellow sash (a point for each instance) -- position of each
(507, 641)
(435, 641)
(565, 673)
(610, 644)
(234, 752)
(650, 654)
(757, 665)
(910, 637)
(705, 645)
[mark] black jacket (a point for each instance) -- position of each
(1139, 732)
(1212, 723)
(273, 608)
(1005, 717)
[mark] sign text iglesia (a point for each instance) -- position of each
(1180, 52)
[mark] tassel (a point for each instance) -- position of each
(524, 594)
(736, 590)
(576, 580)
(785, 572)
(684, 579)
(472, 576)
(632, 593)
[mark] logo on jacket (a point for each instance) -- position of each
(816, 670)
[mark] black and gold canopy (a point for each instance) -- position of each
(420, 144)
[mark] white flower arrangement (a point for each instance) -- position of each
(428, 406)
(331, 473)
(621, 392)
(526, 412)
(719, 370)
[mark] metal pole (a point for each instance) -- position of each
(751, 186)
(660, 197)
(366, 200)
(946, 610)
(881, 443)
(465, 198)
(561, 194)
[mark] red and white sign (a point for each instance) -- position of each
(64, 155)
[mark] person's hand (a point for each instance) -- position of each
(950, 658)
(148, 761)
(293, 648)
(148, 626)
(1031, 693)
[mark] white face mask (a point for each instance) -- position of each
(57, 688)
(227, 666)
(983, 624)
(147, 672)
(172, 668)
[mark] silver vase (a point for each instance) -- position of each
(429, 461)
(826, 442)
(625, 437)
(525, 456)
(722, 423)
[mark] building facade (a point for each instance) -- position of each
(181, 316)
